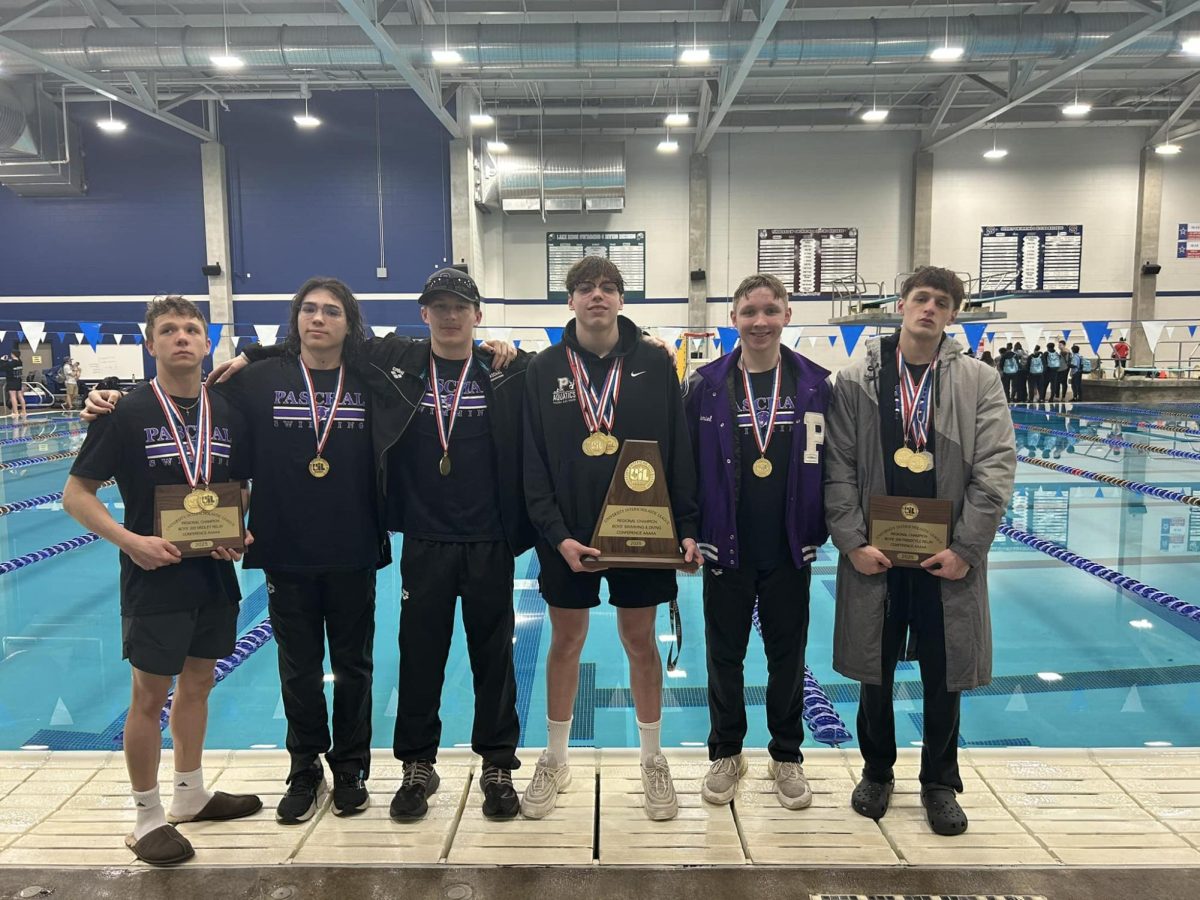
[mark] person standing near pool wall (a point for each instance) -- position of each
(916, 388)
(757, 421)
(178, 616)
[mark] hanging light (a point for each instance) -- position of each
(110, 125)
(445, 56)
(668, 144)
(1168, 149)
(226, 61)
(676, 119)
(1192, 46)
(481, 120)
(996, 152)
(305, 120)
(1075, 109)
(947, 52)
(497, 146)
(874, 115)
(694, 55)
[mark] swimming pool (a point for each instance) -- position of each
(1078, 662)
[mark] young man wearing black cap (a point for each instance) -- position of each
(178, 616)
(600, 381)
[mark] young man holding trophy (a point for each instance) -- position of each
(172, 447)
(757, 417)
(920, 460)
(607, 461)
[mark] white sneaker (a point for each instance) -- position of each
(547, 783)
(658, 790)
(791, 787)
(721, 782)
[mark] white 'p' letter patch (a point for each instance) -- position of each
(814, 427)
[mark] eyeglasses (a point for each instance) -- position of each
(606, 287)
(328, 311)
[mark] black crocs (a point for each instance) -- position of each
(871, 798)
(945, 816)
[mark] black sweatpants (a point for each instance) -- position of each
(1007, 380)
(433, 576)
(729, 596)
(305, 610)
(914, 604)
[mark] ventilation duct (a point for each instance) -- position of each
(573, 46)
(566, 177)
(39, 146)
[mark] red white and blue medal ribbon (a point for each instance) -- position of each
(762, 435)
(322, 432)
(914, 403)
(446, 428)
(599, 412)
(195, 457)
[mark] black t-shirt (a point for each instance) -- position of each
(762, 502)
(463, 506)
(301, 523)
(14, 369)
(135, 445)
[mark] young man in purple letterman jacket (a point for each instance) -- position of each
(757, 419)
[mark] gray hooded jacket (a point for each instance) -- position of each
(976, 464)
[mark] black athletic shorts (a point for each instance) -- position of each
(159, 643)
(627, 588)
(13, 386)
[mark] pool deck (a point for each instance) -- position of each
(1037, 811)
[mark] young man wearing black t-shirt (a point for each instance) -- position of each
(757, 418)
(319, 535)
(570, 456)
(178, 616)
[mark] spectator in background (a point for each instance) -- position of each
(1037, 374)
(1076, 374)
(1009, 369)
(1062, 373)
(987, 359)
(1020, 381)
(70, 374)
(14, 371)
(1120, 357)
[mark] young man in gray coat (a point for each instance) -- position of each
(916, 395)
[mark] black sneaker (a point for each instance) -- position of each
(349, 794)
(303, 797)
(500, 799)
(411, 800)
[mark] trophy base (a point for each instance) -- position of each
(612, 561)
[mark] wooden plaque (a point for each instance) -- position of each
(636, 528)
(909, 530)
(197, 532)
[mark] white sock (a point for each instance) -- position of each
(190, 795)
(150, 814)
(558, 736)
(650, 739)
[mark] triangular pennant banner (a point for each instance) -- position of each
(1095, 331)
(137, 338)
(62, 336)
(142, 329)
(850, 336)
(792, 335)
(78, 337)
(267, 334)
(1153, 331)
(382, 331)
(554, 335)
(1032, 334)
(91, 330)
(517, 344)
(1169, 333)
(119, 338)
(3, 334)
(35, 332)
(1067, 335)
(812, 341)
(214, 334)
(670, 336)
(729, 337)
(974, 332)
(991, 336)
(1100, 492)
(1191, 331)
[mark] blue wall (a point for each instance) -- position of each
(302, 203)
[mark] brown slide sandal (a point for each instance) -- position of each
(164, 846)
(222, 806)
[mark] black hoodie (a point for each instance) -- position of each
(564, 488)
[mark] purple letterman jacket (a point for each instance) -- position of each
(713, 425)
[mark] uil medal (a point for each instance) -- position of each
(902, 456)
(762, 467)
(318, 467)
(611, 444)
(446, 428)
(762, 434)
(444, 464)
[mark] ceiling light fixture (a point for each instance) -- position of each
(996, 152)
(667, 145)
(497, 146)
(947, 52)
(305, 119)
(1192, 46)
(481, 120)
(1168, 149)
(446, 56)
(226, 61)
(110, 125)
(694, 55)
(874, 115)
(1076, 110)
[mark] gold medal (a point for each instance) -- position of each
(928, 461)
(762, 467)
(207, 499)
(318, 467)
(611, 444)
(594, 444)
(192, 502)
(902, 456)
(917, 463)
(444, 464)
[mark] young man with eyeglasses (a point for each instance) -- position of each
(636, 395)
